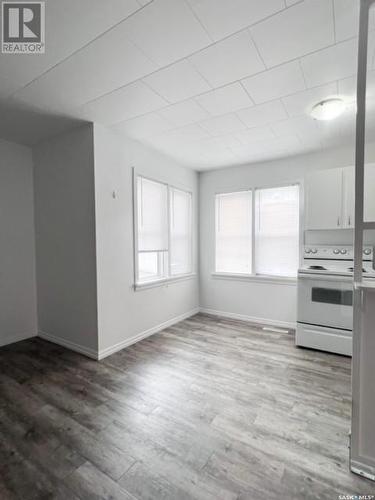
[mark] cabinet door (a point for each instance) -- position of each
(349, 197)
(369, 193)
(324, 199)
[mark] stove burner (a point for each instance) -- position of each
(318, 268)
(351, 269)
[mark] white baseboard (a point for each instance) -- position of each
(250, 319)
(91, 353)
(140, 336)
(11, 339)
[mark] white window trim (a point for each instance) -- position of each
(257, 278)
(165, 281)
(261, 278)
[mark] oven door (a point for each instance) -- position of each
(325, 301)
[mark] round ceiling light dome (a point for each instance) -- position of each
(328, 109)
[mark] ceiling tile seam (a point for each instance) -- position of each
(188, 58)
(246, 91)
(285, 108)
(201, 107)
(152, 90)
(257, 49)
(197, 52)
(303, 74)
(198, 19)
(85, 46)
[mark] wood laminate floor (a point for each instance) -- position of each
(209, 409)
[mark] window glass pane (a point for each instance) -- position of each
(151, 266)
(277, 231)
(181, 237)
(152, 215)
(233, 232)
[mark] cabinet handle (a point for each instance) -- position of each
(349, 221)
(338, 221)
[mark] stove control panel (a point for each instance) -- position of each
(335, 253)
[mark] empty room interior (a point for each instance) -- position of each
(187, 250)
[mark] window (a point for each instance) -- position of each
(164, 231)
(233, 232)
(266, 220)
(181, 224)
(277, 231)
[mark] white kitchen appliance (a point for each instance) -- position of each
(325, 297)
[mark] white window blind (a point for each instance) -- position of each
(164, 232)
(152, 216)
(181, 229)
(277, 231)
(234, 232)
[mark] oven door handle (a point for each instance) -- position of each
(321, 277)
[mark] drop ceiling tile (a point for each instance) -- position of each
(274, 83)
(182, 135)
(65, 34)
(294, 32)
(218, 144)
(225, 100)
(301, 126)
(228, 60)
(221, 18)
(225, 124)
(302, 102)
(177, 82)
(143, 126)
(264, 113)
(255, 134)
(167, 30)
(90, 73)
(333, 63)
(128, 102)
(184, 113)
(346, 19)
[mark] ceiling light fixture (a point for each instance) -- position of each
(328, 109)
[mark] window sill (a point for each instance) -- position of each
(163, 282)
(257, 278)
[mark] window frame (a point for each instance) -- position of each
(168, 278)
(257, 277)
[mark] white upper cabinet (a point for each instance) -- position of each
(330, 198)
(348, 206)
(369, 199)
(324, 199)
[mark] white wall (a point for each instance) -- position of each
(65, 239)
(125, 314)
(18, 319)
(275, 303)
